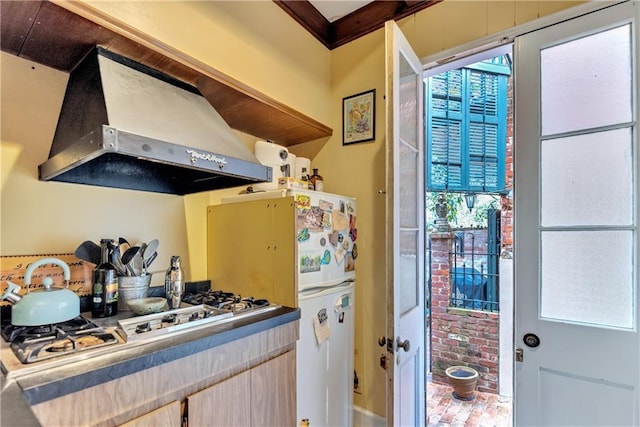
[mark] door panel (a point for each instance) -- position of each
(569, 188)
(576, 214)
(404, 233)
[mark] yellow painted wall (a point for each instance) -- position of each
(257, 43)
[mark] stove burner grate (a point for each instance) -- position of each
(12, 332)
(37, 343)
(225, 301)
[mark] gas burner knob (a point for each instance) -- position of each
(171, 318)
(143, 327)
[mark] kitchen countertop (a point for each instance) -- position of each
(91, 368)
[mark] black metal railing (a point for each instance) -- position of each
(474, 269)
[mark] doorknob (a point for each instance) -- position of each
(405, 345)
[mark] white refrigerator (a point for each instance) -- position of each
(326, 253)
(325, 364)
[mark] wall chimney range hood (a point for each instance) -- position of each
(125, 125)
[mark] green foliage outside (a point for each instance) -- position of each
(458, 215)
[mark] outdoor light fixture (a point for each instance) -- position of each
(470, 200)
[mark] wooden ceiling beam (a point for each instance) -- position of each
(310, 18)
(368, 18)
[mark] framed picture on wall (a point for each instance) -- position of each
(359, 117)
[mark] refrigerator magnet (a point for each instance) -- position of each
(321, 327)
(304, 235)
(340, 221)
(313, 219)
(353, 231)
(333, 238)
(325, 205)
(339, 254)
(303, 202)
(322, 316)
(326, 258)
(310, 263)
(326, 221)
(349, 263)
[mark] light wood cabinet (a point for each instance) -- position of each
(226, 404)
(262, 396)
(248, 381)
(273, 392)
(166, 416)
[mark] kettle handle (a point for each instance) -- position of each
(29, 271)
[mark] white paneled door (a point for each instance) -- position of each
(576, 222)
(404, 233)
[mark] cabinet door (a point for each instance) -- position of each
(226, 404)
(251, 248)
(273, 392)
(165, 416)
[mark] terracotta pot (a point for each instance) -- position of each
(463, 379)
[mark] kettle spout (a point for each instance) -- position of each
(11, 294)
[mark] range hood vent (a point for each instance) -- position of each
(125, 125)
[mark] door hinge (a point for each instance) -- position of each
(519, 355)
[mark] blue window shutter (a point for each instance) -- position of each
(445, 130)
(466, 130)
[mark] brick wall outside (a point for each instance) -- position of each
(459, 336)
(506, 201)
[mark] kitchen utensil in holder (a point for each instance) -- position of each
(132, 287)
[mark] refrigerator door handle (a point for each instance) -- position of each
(310, 292)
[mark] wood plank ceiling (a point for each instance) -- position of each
(368, 18)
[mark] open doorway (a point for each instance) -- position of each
(469, 271)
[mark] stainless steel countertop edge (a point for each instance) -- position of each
(129, 358)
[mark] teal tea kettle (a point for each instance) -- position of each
(43, 306)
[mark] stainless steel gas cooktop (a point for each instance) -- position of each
(151, 325)
(197, 316)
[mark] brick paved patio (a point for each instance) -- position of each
(486, 410)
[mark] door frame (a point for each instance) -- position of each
(478, 50)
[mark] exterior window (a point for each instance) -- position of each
(466, 127)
